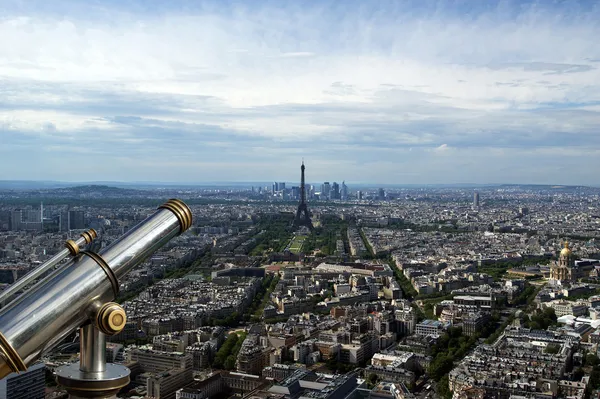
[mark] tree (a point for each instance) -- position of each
(592, 360)
(440, 366)
(230, 362)
(372, 379)
(595, 378)
(443, 388)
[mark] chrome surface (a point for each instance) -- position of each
(141, 241)
(103, 385)
(92, 358)
(63, 301)
(37, 272)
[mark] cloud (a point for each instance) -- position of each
(547, 67)
(295, 54)
(224, 83)
(442, 148)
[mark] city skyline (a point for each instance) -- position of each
(407, 93)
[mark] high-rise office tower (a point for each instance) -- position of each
(296, 192)
(63, 221)
(325, 190)
(30, 384)
(76, 220)
(31, 220)
(281, 186)
(359, 195)
(335, 191)
(476, 200)
(381, 194)
(275, 187)
(15, 220)
(4, 220)
(344, 193)
(31, 217)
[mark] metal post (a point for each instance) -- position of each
(93, 350)
(92, 377)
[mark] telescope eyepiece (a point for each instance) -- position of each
(111, 318)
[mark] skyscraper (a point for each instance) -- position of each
(476, 200)
(4, 220)
(381, 194)
(15, 220)
(63, 221)
(344, 193)
(335, 191)
(76, 220)
(325, 190)
(296, 192)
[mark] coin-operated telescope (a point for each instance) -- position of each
(80, 295)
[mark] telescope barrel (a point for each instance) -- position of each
(71, 295)
(71, 248)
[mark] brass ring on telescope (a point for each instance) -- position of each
(107, 270)
(181, 211)
(13, 360)
(72, 247)
(186, 211)
(89, 235)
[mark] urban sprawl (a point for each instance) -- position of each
(388, 293)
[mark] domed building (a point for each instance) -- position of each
(564, 269)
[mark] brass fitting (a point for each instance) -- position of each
(181, 211)
(89, 235)
(72, 247)
(111, 318)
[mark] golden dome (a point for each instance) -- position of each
(566, 251)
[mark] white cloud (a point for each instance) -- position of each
(308, 77)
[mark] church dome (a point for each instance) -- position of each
(566, 252)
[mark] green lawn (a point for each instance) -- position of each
(296, 244)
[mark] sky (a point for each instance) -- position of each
(397, 92)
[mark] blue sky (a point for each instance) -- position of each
(364, 91)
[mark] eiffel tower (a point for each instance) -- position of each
(302, 216)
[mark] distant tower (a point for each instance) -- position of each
(325, 190)
(476, 200)
(302, 216)
(335, 191)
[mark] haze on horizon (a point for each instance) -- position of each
(415, 92)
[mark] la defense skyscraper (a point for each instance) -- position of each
(302, 216)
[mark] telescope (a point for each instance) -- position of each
(80, 295)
